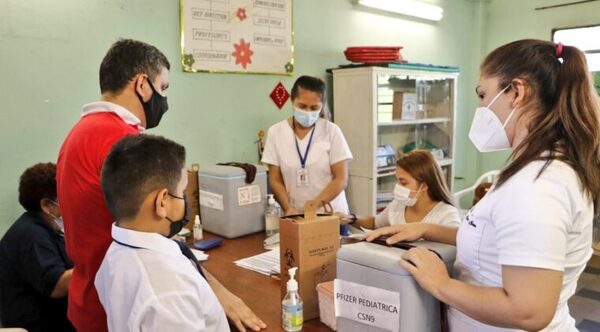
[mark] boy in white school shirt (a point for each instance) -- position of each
(144, 282)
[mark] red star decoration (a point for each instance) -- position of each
(242, 53)
(241, 14)
(279, 95)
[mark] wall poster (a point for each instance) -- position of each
(237, 36)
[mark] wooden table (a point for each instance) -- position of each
(261, 293)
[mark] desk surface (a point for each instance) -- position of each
(261, 293)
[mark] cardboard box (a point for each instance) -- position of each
(326, 304)
(192, 195)
(309, 242)
(404, 106)
(397, 105)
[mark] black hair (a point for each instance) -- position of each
(127, 58)
(36, 183)
(310, 83)
(136, 166)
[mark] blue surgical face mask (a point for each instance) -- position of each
(305, 118)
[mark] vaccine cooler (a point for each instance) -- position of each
(376, 265)
(229, 206)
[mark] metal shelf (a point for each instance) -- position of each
(413, 122)
(388, 171)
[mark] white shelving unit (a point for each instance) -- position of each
(367, 104)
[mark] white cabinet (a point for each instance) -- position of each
(387, 111)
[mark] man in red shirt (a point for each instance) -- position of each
(133, 79)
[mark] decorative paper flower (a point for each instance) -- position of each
(279, 95)
(289, 67)
(242, 53)
(188, 60)
(241, 14)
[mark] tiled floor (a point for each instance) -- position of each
(585, 305)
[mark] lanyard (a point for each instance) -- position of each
(303, 158)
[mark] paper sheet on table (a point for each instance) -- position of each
(266, 263)
(200, 255)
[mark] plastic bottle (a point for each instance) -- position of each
(271, 217)
(197, 229)
(291, 306)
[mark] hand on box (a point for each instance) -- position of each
(292, 211)
(427, 268)
(398, 233)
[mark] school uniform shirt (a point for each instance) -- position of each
(328, 147)
(86, 217)
(543, 222)
(441, 214)
(32, 260)
(145, 283)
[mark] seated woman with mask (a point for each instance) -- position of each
(420, 195)
(35, 271)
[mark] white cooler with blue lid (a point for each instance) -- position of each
(230, 207)
(377, 266)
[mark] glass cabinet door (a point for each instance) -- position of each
(413, 112)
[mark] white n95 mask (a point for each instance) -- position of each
(487, 132)
(402, 195)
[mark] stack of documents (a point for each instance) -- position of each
(266, 263)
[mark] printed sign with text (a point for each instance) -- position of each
(367, 305)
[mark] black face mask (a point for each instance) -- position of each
(154, 108)
(177, 225)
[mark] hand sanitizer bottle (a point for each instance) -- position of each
(271, 217)
(291, 306)
(197, 229)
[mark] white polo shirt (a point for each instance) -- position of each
(328, 147)
(540, 223)
(147, 284)
(441, 214)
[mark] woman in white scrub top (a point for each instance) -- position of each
(420, 195)
(307, 155)
(522, 248)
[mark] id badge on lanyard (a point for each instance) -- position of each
(302, 173)
(302, 177)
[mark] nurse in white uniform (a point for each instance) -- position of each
(307, 155)
(420, 195)
(522, 248)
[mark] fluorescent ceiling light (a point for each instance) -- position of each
(406, 7)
